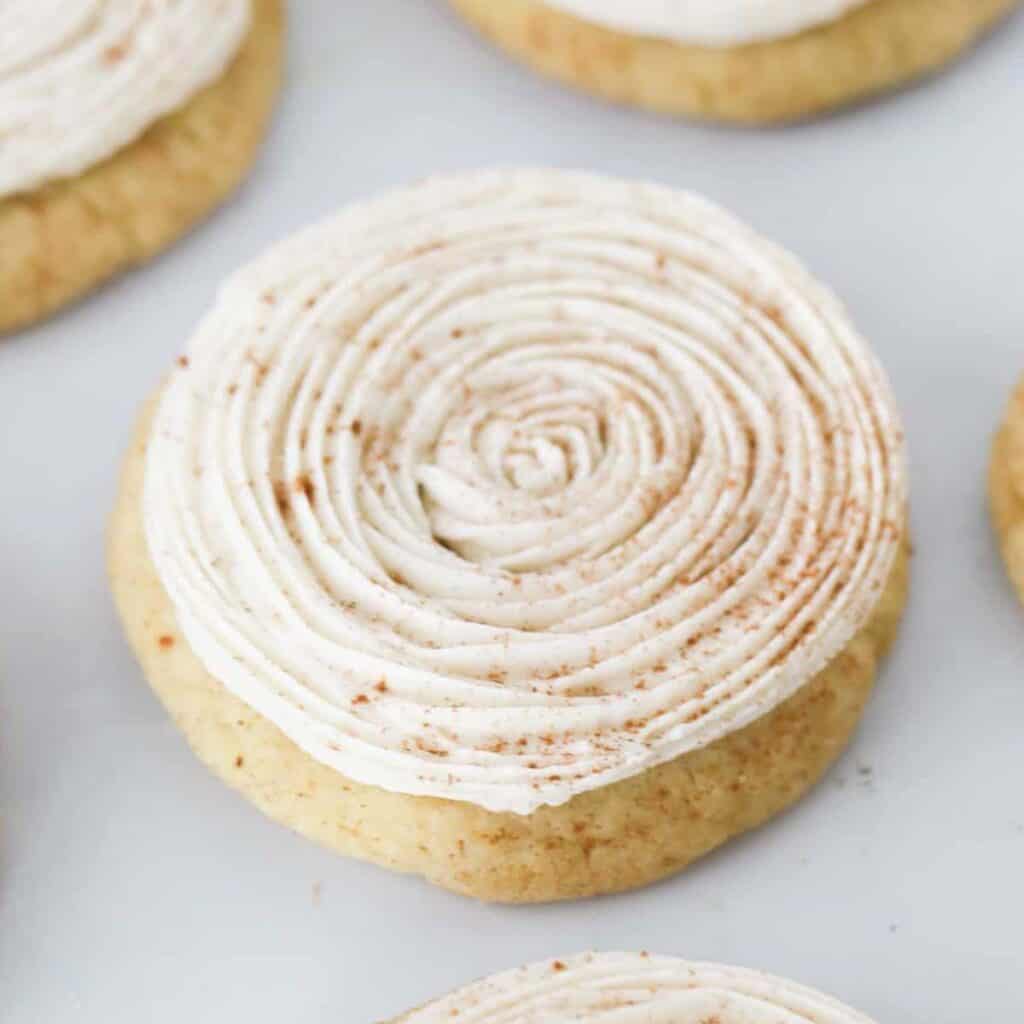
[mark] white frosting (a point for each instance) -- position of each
(710, 22)
(80, 79)
(515, 484)
(634, 988)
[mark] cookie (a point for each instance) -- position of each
(634, 987)
(133, 153)
(532, 531)
(772, 63)
(1006, 488)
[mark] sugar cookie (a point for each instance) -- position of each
(153, 114)
(629, 988)
(744, 60)
(533, 531)
(1006, 488)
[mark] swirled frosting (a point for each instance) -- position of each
(634, 988)
(515, 484)
(80, 79)
(710, 22)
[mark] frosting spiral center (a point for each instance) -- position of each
(512, 485)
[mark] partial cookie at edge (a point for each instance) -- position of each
(620, 837)
(1006, 488)
(662, 988)
(61, 241)
(872, 49)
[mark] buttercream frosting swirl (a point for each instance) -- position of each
(634, 988)
(80, 79)
(514, 484)
(710, 22)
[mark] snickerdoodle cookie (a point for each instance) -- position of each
(1006, 487)
(532, 531)
(122, 123)
(745, 60)
(616, 988)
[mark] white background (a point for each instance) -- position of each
(133, 886)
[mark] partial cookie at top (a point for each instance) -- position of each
(1006, 488)
(61, 240)
(874, 48)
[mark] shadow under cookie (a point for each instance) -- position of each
(874, 48)
(66, 238)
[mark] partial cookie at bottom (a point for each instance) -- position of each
(633, 987)
(1006, 488)
(62, 240)
(874, 48)
(622, 836)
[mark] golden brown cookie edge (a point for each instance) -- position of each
(1006, 488)
(870, 50)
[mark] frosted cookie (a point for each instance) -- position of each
(532, 531)
(753, 61)
(122, 123)
(629, 988)
(1006, 488)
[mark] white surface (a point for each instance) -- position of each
(135, 886)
